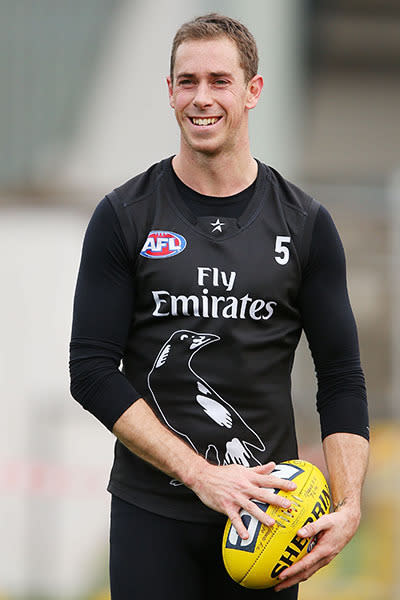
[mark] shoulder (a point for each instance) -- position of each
(133, 202)
(140, 186)
(326, 245)
(103, 220)
(290, 195)
(324, 221)
(297, 208)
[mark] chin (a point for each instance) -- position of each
(209, 148)
(203, 145)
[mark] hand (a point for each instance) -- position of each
(229, 488)
(333, 532)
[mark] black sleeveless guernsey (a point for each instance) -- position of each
(215, 327)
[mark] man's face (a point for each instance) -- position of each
(210, 96)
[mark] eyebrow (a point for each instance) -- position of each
(212, 74)
(221, 74)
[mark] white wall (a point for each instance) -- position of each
(55, 457)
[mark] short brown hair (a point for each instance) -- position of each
(212, 26)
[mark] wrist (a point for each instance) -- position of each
(351, 507)
(193, 471)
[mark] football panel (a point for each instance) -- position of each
(289, 548)
(249, 562)
(240, 555)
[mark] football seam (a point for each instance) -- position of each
(254, 563)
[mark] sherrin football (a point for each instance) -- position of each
(258, 561)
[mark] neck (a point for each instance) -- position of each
(221, 175)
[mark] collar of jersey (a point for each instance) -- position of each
(249, 214)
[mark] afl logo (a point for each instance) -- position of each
(163, 244)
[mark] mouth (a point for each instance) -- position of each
(204, 121)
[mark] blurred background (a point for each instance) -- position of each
(83, 108)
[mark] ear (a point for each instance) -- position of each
(254, 88)
(170, 92)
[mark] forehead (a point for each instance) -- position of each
(209, 55)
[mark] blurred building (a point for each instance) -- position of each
(84, 108)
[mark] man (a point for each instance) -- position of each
(200, 274)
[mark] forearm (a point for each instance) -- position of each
(143, 434)
(226, 489)
(346, 457)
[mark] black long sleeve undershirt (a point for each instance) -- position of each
(103, 303)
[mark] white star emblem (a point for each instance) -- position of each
(217, 226)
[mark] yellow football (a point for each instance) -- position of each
(258, 561)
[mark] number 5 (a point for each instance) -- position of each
(281, 249)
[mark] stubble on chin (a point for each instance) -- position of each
(210, 148)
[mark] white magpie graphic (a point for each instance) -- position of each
(194, 410)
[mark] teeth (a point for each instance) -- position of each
(209, 121)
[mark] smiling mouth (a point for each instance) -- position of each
(205, 121)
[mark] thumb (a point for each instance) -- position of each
(317, 526)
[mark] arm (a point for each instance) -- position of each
(226, 489)
(346, 457)
(341, 400)
(102, 315)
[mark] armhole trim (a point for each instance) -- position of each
(126, 224)
(308, 232)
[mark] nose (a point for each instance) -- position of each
(202, 97)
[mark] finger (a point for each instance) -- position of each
(307, 562)
(264, 469)
(302, 575)
(238, 524)
(273, 480)
(316, 527)
(276, 482)
(259, 514)
(253, 510)
(269, 497)
(320, 553)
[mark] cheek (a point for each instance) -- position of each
(181, 100)
(233, 101)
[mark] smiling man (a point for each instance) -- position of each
(200, 275)
(211, 97)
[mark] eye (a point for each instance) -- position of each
(221, 82)
(185, 82)
(184, 336)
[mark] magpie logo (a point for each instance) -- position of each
(212, 426)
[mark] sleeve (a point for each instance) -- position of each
(331, 332)
(102, 314)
